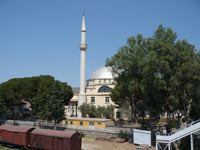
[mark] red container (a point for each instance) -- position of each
(55, 140)
(15, 135)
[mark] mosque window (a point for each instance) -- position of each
(118, 115)
(104, 89)
(104, 80)
(92, 124)
(92, 99)
(99, 81)
(107, 99)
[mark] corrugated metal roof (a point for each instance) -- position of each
(14, 128)
(53, 133)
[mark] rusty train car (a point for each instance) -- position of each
(40, 138)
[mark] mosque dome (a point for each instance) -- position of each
(102, 73)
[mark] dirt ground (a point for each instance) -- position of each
(92, 144)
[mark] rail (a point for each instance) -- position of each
(177, 130)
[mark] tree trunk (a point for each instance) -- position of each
(186, 115)
(178, 125)
(167, 117)
(13, 112)
(150, 120)
(133, 112)
(55, 127)
(143, 119)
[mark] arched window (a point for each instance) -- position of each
(104, 89)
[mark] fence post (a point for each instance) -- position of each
(156, 146)
(191, 141)
(169, 146)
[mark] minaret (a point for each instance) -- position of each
(83, 47)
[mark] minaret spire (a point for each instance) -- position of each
(83, 23)
(83, 47)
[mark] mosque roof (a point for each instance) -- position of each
(102, 73)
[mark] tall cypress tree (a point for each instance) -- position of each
(56, 107)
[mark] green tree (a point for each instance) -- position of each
(160, 66)
(40, 99)
(36, 90)
(160, 70)
(67, 92)
(127, 66)
(10, 94)
(109, 112)
(84, 108)
(55, 105)
(92, 112)
(97, 112)
(3, 108)
(186, 85)
(44, 92)
(101, 110)
(178, 68)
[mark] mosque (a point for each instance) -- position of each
(96, 91)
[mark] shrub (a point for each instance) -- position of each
(172, 124)
(93, 112)
(125, 135)
(81, 133)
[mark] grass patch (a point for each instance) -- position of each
(6, 148)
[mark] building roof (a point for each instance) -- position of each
(15, 128)
(53, 133)
(27, 105)
(74, 98)
(88, 119)
(102, 73)
(76, 90)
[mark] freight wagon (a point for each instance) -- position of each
(15, 135)
(40, 138)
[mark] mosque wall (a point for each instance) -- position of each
(97, 93)
(99, 100)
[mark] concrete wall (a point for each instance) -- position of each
(99, 132)
(97, 124)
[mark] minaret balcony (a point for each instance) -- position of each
(83, 46)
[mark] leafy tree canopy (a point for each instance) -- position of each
(36, 90)
(161, 71)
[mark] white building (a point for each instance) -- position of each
(98, 86)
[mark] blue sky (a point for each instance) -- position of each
(39, 37)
